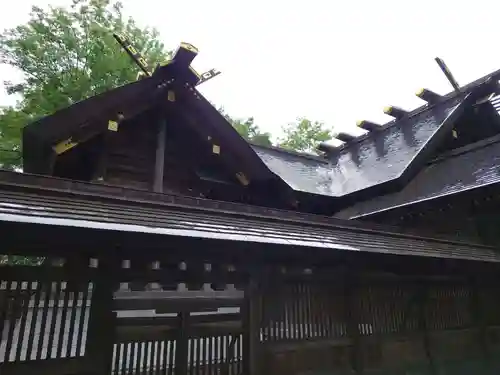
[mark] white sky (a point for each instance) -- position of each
(337, 62)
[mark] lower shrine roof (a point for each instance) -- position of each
(52, 203)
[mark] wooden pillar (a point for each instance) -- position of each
(160, 155)
(251, 329)
(182, 346)
(422, 301)
(101, 327)
(351, 296)
(478, 301)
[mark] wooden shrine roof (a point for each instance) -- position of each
(381, 163)
(81, 121)
(472, 167)
(40, 209)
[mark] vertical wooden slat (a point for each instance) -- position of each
(125, 358)
(220, 352)
(191, 356)
(62, 325)
(117, 356)
(148, 367)
(305, 307)
(72, 338)
(298, 307)
(141, 357)
(80, 336)
(157, 357)
(210, 354)
(199, 355)
(133, 357)
(42, 337)
(320, 307)
(34, 320)
(173, 348)
(11, 318)
(23, 335)
(54, 319)
(289, 312)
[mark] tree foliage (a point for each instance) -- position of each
(67, 55)
(304, 135)
(17, 260)
(247, 128)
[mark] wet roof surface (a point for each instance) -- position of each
(451, 175)
(370, 162)
(92, 214)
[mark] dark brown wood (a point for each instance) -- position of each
(251, 331)
(182, 345)
(351, 300)
(478, 305)
(160, 156)
(101, 333)
(422, 300)
(59, 366)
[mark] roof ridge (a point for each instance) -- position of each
(425, 107)
(290, 152)
(465, 149)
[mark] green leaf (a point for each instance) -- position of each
(304, 135)
(67, 55)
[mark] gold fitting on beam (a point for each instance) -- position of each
(64, 146)
(419, 92)
(113, 126)
(360, 123)
(242, 178)
(388, 109)
(216, 149)
(189, 47)
(171, 96)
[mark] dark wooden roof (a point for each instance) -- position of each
(42, 206)
(85, 119)
(385, 161)
(472, 167)
(379, 163)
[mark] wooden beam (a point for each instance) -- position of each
(49, 366)
(423, 301)
(182, 349)
(351, 303)
(160, 156)
(251, 329)
(479, 303)
(101, 326)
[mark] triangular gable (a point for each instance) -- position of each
(473, 167)
(80, 122)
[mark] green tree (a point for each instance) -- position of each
(249, 130)
(67, 55)
(304, 135)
